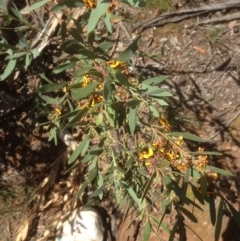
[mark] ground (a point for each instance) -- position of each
(202, 64)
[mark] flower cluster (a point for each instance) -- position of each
(117, 64)
(90, 4)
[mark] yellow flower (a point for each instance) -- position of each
(202, 160)
(145, 153)
(64, 89)
(112, 6)
(164, 123)
(116, 63)
(58, 111)
(86, 80)
(95, 100)
(90, 4)
(179, 141)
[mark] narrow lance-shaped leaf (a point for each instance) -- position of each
(187, 136)
(8, 69)
(35, 6)
(81, 93)
(132, 119)
(146, 231)
(188, 214)
(78, 150)
(220, 171)
(219, 221)
(130, 51)
(52, 87)
(212, 208)
(155, 80)
(235, 213)
(82, 189)
(62, 67)
(92, 175)
(52, 101)
(96, 14)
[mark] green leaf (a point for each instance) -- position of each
(160, 223)
(99, 119)
(135, 198)
(53, 135)
(78, 150)
(146, 231)
(130, 51)
(132, 119)
(133, 103)
(81, 93)
(162, 102)
(105, 46)
(8, 69)
(3, 5)
(122, 79)
(107, 21)
(220, 171)
(62, 67)
(76, 32)
(85, 148)
(173, 231)
(187, 136)
(167, 181)
(197, 194)
(52, 87)
(235, 213)
(35, 6)
(155, 113)
(155, 80)
(188, 214)
(82, 189)
(212, 208)
(96, 14)
(219, 221)
(81, 71)
(203, 184)
(77, 117)
(52, 101)
(92, 175)
(154, 91)
(135, 3)
(107, 91)
(149, 183)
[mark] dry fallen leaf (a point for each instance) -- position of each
(200, 50)
(231, 24)
(22, 235)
